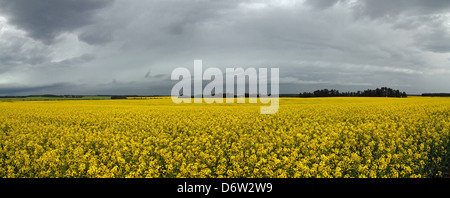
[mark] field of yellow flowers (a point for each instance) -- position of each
(307, 137)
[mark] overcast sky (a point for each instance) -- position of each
(131, 47)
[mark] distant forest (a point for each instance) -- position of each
(378, 92)
(437, 94)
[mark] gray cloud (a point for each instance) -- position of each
(45, 19)
(434, 35)
(96, 35)
(16, 52)
(18, 89)
(342, 44)
(383, 8)
(321, 4)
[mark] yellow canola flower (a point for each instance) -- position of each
(146, 137)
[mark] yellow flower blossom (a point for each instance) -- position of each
(144, 137)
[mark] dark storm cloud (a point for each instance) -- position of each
(110, 47)
(437, 40)
(13, 53)
(434, 34)
(16, 50)
(321, 4)
(381, 8)
(195, 12)
(46, 19)
(17, 89)
(96, 35)
(70, 62)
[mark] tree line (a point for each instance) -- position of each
(437, 94)
(378, 92)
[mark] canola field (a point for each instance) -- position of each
(307, 137)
